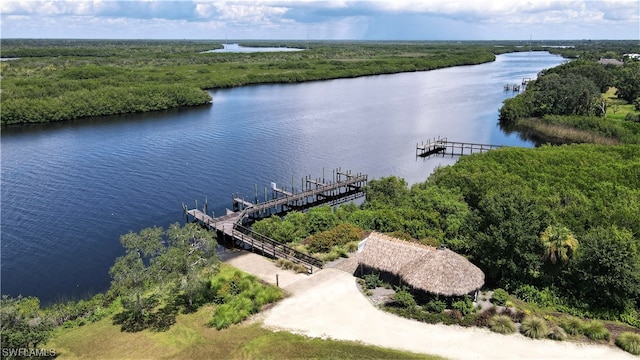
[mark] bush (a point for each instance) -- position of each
(595, 330)
(632, 117)
(290, 265)
(629, 342)
(436, 306)
(500, 297)
(239, 295)
(573, 326)
(464, 306)
(515, 315)
(484, 317)
(502, 324)
(340, 235)
(456, 315)
(372, 281)
(534, 327)
(528, 293)
(403, 298)
(557, 333)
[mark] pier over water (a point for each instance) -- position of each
(233, 226)
(443, 146)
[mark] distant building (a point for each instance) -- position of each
(614, 62)
(632, 56)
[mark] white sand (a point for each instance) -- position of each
(328, 304)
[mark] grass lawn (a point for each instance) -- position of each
(190, 338)
(617, 108)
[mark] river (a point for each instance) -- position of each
(69, 190)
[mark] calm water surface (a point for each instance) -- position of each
(70, 190)
(235, 48)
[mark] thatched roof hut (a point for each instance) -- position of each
(435, 271)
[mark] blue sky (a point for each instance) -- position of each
(308, 19)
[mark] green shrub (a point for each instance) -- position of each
(534, 327)
(239, 295)
(464, 306)
(557, 333)
(372, 281)
(290, 265)
(351, 246)
(223, 317)
(436, 306)
(404, 299)
(595, 330)
(528, 293)
(499, 297)
(502, 324)
(573, 326)
(629, 342)
(340, 235)
(632, 117)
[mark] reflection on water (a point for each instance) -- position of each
(70, 190)
(235, 48)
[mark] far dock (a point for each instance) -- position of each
(443, 146)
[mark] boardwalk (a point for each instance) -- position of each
(443, 146)
(313, 196)
(227, 226)
(231, 226)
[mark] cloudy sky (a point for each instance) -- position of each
(332, 19)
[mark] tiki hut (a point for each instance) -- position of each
(435, 271)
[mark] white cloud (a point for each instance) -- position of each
(345, 19)
(248, 13)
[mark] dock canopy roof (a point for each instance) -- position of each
(436, 271)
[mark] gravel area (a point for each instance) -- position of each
(329, 304)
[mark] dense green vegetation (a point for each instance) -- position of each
(557, 224)
(69, 79)
(580, 101)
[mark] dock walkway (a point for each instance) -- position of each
(443, 146)
(231, 226)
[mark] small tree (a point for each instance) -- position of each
(22, 324)
(132, 274)
(191, 250)
(559, 244)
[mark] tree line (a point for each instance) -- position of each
(57, 80)
(567, 102)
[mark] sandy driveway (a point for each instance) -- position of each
(328, 304)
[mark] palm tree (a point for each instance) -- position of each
(559, 244)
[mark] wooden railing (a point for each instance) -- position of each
(273, 248)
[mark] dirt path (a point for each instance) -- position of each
(328, 304)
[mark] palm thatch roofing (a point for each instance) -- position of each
(436, 271)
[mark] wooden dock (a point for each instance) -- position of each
(228, 228)
(345, 186)
(443, 146)
(512, 87)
